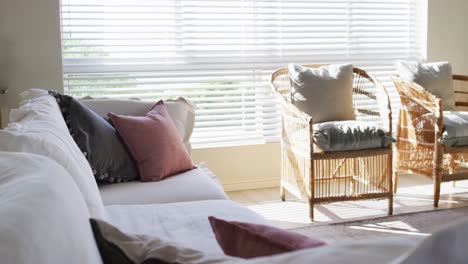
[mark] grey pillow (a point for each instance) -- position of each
(349, 135)
(325, 93)
(435, 77)
(99, 141)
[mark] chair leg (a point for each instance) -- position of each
(311, 210)
(391, 183)
(395, 181)
(283, 193)
(390, 205)
(437, 183)
(312, 190)
(452, 168)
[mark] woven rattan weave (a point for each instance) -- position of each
(420, 125)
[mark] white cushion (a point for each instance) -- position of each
(44, 219)
(183, 223)
(435, 77)
(39, 128)
(318, 91)
(455, 128)
(181, 111)
(193, 185)
(445, 246)
(386, 250)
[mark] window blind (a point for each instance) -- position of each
(221, 53)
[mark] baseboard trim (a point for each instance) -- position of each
(251, 184)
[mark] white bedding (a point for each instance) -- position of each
(382, 251)
(184, 223)
(38, 127)
(43, 218)
(448, 245)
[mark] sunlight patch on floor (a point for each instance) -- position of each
(414, 195)
(394, 227)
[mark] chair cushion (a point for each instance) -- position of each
(434, 77)
(193, 185)
(313, 90)
(455, 128)
(349, 135)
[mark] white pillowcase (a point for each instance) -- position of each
(325, 93)
(43, 216)
(38, 127)
(181, 111)
(435, 77)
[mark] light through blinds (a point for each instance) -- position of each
(220, 53)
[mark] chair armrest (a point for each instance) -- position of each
(297, 126)
(292, 111)
(368, 91)
(420, 114)
(415, 96)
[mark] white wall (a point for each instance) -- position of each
(30, 49)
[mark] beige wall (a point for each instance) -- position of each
(30, 57)
(30, 50)
(243, 167)
(448, 33)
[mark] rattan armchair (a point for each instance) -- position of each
(323, 177)
(420, 126)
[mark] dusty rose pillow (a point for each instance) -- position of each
(246, 240)
(154, 142)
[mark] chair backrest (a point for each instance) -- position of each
(460, 87)
(370, 98)
(412, 92)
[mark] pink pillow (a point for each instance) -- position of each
(246, 240)
(154, 142)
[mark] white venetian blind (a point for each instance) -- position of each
(220, 53)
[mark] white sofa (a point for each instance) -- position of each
(194, 185)
(48, 193)
(44, 219)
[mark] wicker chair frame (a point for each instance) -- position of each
(420, 126)
(324, 177)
